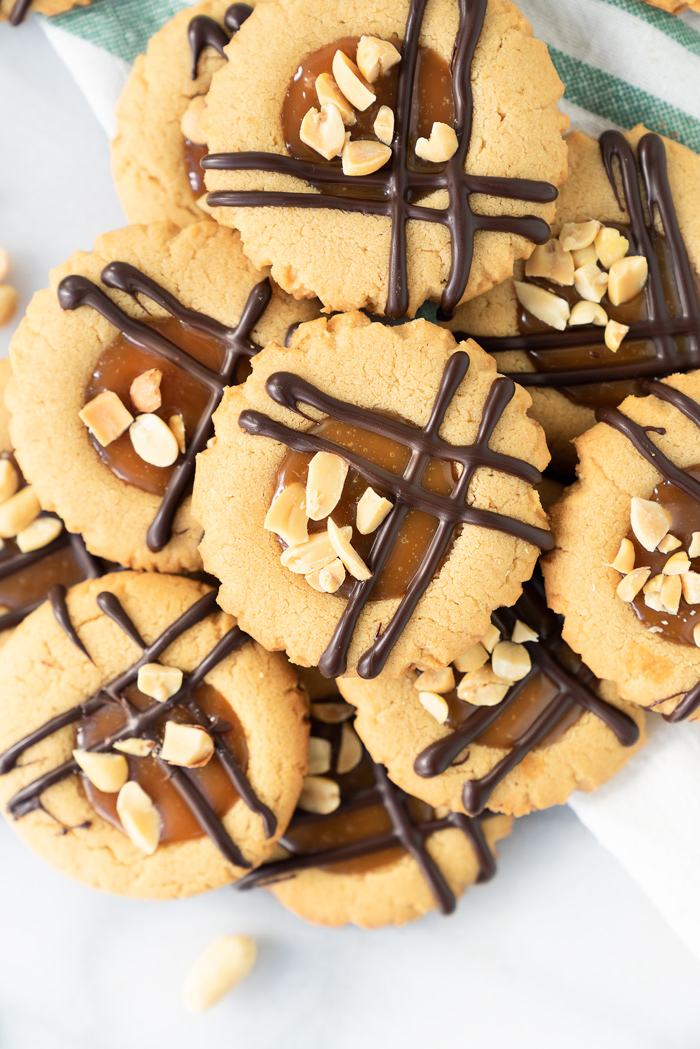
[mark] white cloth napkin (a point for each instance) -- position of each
(622, 62)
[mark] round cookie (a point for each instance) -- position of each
(15, 11)
(149, 301)
(416, 240)
(511, 332)
(446, 553)
(156, 169)
(70, 681)
(627, 593)
(360, 850)
(516, 724)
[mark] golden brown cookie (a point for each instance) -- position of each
(192, 741)
(674, 7)
(118, 367)
(15, 11)
(358, 848)
(515, 724)
(401, 189)
(653, 342)
(155, 163)
(403, 513)
(626, 567)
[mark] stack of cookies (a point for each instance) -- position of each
(294, 592)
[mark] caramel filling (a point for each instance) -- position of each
(177, 820)
(122, 362)
(418, 528)
(598, 356)
(685, 519)
(194, 152)
(432, 101)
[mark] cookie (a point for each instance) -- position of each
(15, 11)
(626, 569)
(118, 367)
(192, 739)
(517, 723)
(359, 849)
(158, 147)
(487, 123)
(584, 364)
(367, 500)
(674, 7)
(36, 552)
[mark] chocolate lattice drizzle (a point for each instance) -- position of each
(204, 32)
(19, 12)
(550, 656)
(424, 444)
(140, 722)
(75, 291)
(639, 438)
(394, 190)
(406, 832)
(675, 339)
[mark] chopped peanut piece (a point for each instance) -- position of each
(145, 390)
(442, 144)
(323, 132)
(587, 312)
(332, 713)
(346, 552)
(8, 303)
(491, 638)
(624, 559)
(696, 634)
(671, 590)
(471, 660)
(41, 532)
(329, 94)
(139, 817)
(522, 632)
(371, 511)
(435, 705)
(652, 593)
(106, 417)
(590, 282)
(332, 577)
(677, 564)
(224, 964)
(694, 548)
(319, 756)
(384, 125)
(106, 772)
(18, 512)
(9, 480)
(668, 544)
(351, 82)
(364, 157)
(313, 555)
(191, 122)
(188, 745)
(551, 262)
(577, 235)
(435, 680)
(690, 585)
(153, 440)
(177, 424)
(376, 57)
(650, 522)
(548, 308)
(319, 795)
(135, 747)
(4, 263)
(632, 583)
(584, 256)
(287, 515)
(158, 681)
(614, 334)
(350, 752)
(324, 485)
(627, 278)
(482, 688)
(610, 246)
(510, 661)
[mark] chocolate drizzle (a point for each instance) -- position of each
(139, 722)
(75, 291)
(550, 656)
(204, 32)
(394, 190)
(638, 437)
(406, 832)
(662, 330)
(20, 10)
(425, 444)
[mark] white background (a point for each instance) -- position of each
(561, 950)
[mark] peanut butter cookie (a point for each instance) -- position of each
(15, 11)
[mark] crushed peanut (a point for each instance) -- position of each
(106, 772)
(319, 756)
(671, 591)
(350, 751)
(41, 532)
(435, 680)
(287, 515)
(624, 558)
(177, 424)
(9, 480)
(690, 585)
(191, 121)
(668, 544)
(474, 658)
(319, 795)
(376, 57)
(8, 303)
(224, 964)
(614, 334)
(158, 681)
(340, 542)
(351, 82)
(650, 522)
(587, 312)
(139, 817)
(577, 235)
(18, 512)
(332, 577)
(610, 246)
(482, 688)
(491, 638)
(153, 440)
(135, 747)
(324, 484)
(435, 705)
(584, 256)
(145, 390)
(364, 157)
(442, 144)
(313, 555)
(627, 278)
(591, 282)
(510, 661)
(630, 585)
(522, 632)
(188, 745)
(4, 264)
(323, 132)
(548, 308)
(371, 511)
(106, 417)
(677, 564)
(384, 125)
(694, 548)
(329, 94)
(551, 262)
(332, 713)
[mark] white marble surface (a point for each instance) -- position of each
(561, 950)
